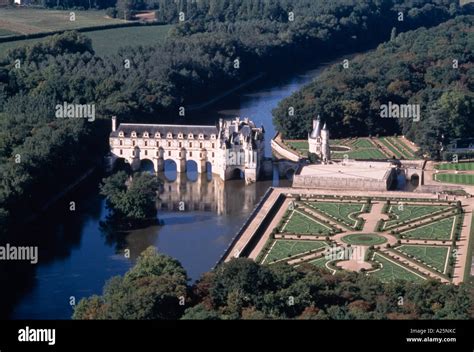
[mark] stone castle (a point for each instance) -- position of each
(318, 140)
(233, 148)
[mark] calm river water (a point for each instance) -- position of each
(76, 257)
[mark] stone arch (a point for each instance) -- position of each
(148, 165)
(170, 170)
(235, 173)
(192, 170)
(121, 164)
(415, 179)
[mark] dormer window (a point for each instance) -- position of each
(190, 136)
(146, 135)
(213, 136)
(201, 136)
(121, 134)
(180, 135)
(169, 135)
(157, 135)
(134, 134)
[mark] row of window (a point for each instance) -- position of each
(168, 135)
(169, 153)
(180, 144)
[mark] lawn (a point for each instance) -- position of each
(109, 41)
(282, 249)
(405, 151)
(301, 146)
(364, 239)
(463, 179)
(392, 148)
(438, 230)
(392, 271)
(321, 263)
(404, 212)
(360, 148)
(363, 143)
(344, 213)
(456, 166)
(372, 153)
(431, 255)
(300, 223)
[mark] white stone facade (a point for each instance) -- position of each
(318, 141)
(235, 145)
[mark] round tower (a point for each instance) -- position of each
(325, 150)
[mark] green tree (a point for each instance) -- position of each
(152, 289)
(131, 199)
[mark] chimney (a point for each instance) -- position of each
(114, 123)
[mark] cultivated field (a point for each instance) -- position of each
(29, 21)
(109, 41)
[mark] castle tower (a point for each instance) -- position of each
(325, 151)
(314, 138)
(318, 140)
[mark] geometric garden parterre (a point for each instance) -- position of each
(390, 238)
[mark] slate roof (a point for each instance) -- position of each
(140, 129)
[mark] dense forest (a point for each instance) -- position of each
(156, 288)
(228, 43)
(430, 67)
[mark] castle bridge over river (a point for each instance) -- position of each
(234, 146)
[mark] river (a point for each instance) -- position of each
(76, 257)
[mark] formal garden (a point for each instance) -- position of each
(362, 148)
(400, 239)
